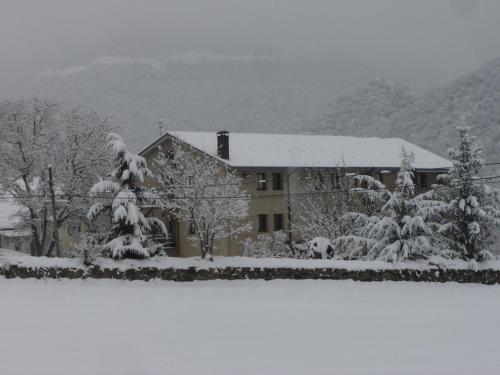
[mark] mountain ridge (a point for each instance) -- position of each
(428, 119)
(189, 92)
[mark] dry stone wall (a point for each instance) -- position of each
(242, 273)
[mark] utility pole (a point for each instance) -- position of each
(289, 210)
(160, 127)
(55, 229)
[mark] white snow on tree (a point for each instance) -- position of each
(472, 209)
(328, 196)
(403, 231)
(203, 192)
(35, 134)
(121, 196)
(87, 249)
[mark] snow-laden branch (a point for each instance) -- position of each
(130, 226)
(36, 133)
(204, 193)
(104, 186)
(402, 229)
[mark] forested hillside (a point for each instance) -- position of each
(428, 118)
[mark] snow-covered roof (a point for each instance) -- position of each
(320, 151)
(15, 233)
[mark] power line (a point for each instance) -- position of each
(86, 195)
(320, 169)
(6, 197)
(166, 196)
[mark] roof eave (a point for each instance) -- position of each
(235, 166)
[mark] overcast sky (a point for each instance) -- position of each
(444, 37)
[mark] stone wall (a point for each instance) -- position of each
(241, 273)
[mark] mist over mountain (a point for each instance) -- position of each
(429, 118)
(201, 90)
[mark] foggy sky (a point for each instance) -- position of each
(443, 38)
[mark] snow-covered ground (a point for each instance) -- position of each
(247, 327)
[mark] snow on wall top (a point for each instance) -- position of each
(294, 150)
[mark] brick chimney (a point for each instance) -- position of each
(223, 144)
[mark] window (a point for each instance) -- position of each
(262, 223)
(335, 180)
(191, 228)
(261, 181)
(424, 181)
(385, 177)
(319, 181)
(277, 181)
(278, 222)
(74, 229)
(381, 178)
(169, 155)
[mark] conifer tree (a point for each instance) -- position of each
(472, 210)
(402, 231)
(126, 237)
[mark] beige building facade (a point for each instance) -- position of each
(273, 168)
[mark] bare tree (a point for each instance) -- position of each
(36, 134)
(203, 192)
(268, 245)
(328, 196)
(82, 159)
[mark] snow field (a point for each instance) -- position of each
(247, 327)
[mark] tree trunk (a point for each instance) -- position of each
(202, 249)
(205, 248)
(51, 248)
(36, 247)
(210, 253)
(55, 227)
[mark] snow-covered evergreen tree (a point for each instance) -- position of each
(127, 234)
(403, 231)
(472, 209)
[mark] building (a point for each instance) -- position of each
(275, 165)
(11, 236)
